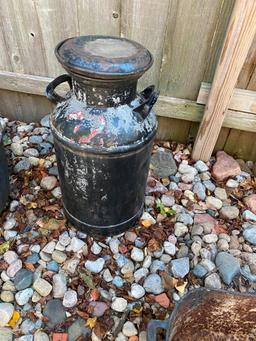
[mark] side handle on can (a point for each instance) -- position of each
(153, 326)
(50, 89)
(149, 97)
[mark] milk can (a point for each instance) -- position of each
(103, 132)
(4, 177)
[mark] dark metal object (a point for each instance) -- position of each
(210, 315)
(4, 176)
(103, 132)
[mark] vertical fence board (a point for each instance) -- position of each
(145, 21)
(58, 21)
(99, 17)
(191, 27)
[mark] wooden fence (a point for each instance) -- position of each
(185, 37)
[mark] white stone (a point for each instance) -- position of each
(180, 229)
(76, 245)
(6, 311)
(119, 304)
(41, 336)
(95, 266)
(212, 202)
(17, 149)
(147, 261)
(140, 273)
(167, 200)
(56, 192)
(137, 291)
(48, 182)
(210, 238)
(10, 257)
(232, 183)
(59, 283)
(64, 239)
(42, 287)
(169, 248)
(107, 276)
(129, 329)
(70, 298)
(13, 268)
(96, 248)
(49, 247)
(22, 297)
(137, 255)
(9, 224)
(114, 245)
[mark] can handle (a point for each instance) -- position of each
(149, 97)
(153, 326)
(51, 94)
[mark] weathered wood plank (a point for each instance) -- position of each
(190, 31)
(145, 21)
(99, 17)
(239, 36)
(166, 106)
(248, 68)
(241, 100)
(58, 21)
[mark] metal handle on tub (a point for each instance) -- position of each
(51, 94)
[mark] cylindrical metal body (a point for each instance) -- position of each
(4, 176)
(103, 132)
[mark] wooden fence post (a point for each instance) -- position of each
(238, 39)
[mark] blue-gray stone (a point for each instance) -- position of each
(121, 260)
(55, 312)
(163, 164)
(199, 190)
(246, 272)
(228, 266)
(250, 234)
(33, 259)
(22, 165)
(180, 267)
(139, 242)
(185, 218)
(53, 171)
(152, 284)
(209, 185)
(23, 279)
(199, 271)
(45, 121)
(77, 330)
(45, 148)
(53, 266)
(157, 265)
(35, 139)
(118, 281)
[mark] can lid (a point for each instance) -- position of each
(103, 57)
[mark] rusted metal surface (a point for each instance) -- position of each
(211, 315)
(4, 178)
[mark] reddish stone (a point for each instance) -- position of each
(133, 338)
(219, 228)
(163, 300)
(250, 202)
(59, 337)
(200, 219)
(225, 166)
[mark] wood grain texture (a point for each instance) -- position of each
(99, 17)
(239, 36)
(241, 100)
(145, 21)
(190, 31)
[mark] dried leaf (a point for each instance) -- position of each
(4, 247)
(52, 208)
(137, 309)
(168, 282)
(87, 278)
(153, 245)
(94, 295)
(15, 318)
(180, 286)
(91, 322)
(146, 223)
(32, 205)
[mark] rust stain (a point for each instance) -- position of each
(215, 316)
